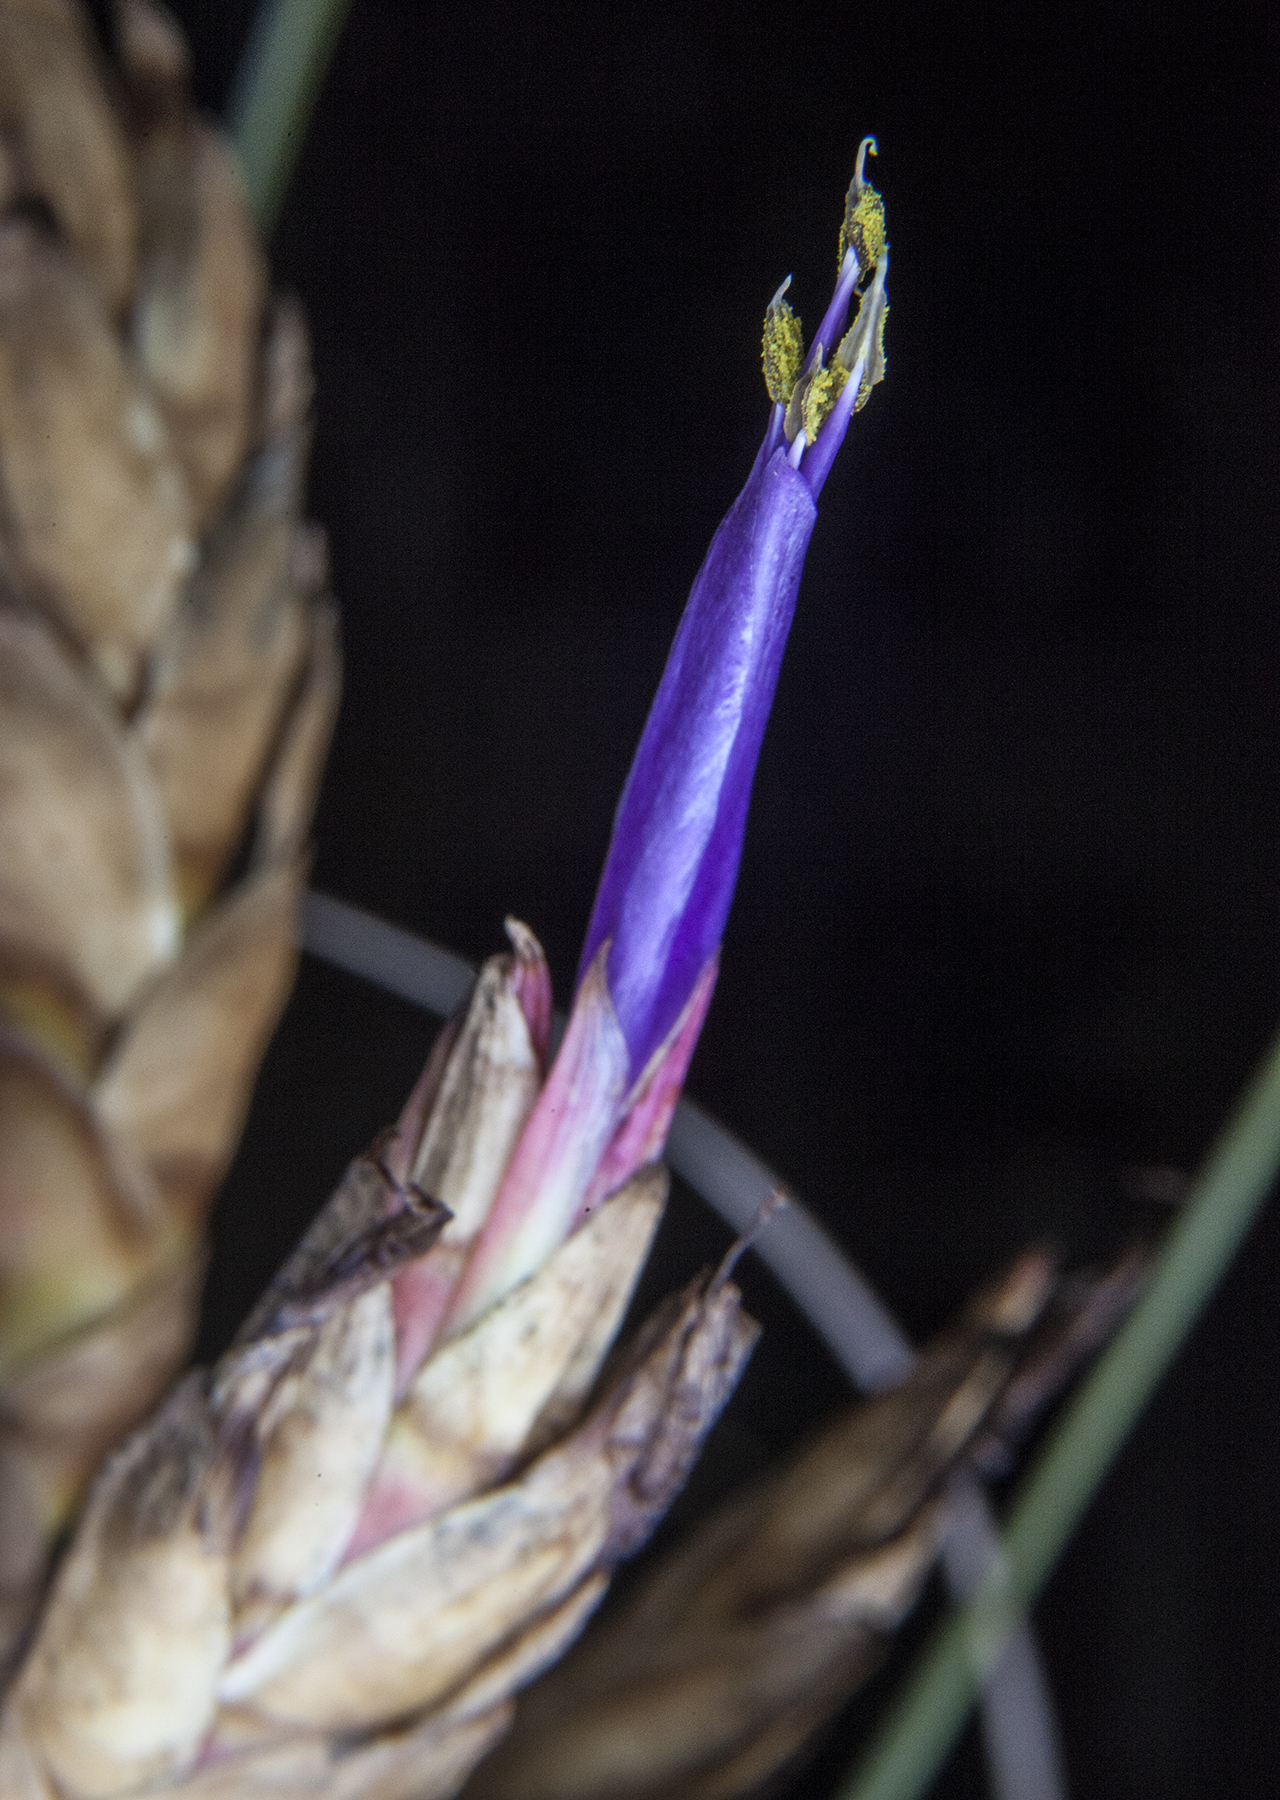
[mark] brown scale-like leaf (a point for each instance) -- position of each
(366, 1232)
(287, 803)
(134, 375)
(320, 1435)
(61, 142)
(118, 1688)
(204, 1634)
(201, 286)
(426, 1762)
(79, 1229)
(399, 1628)
(487, 1092)
(84, 864)
(177, 1085)
(225, 675)
(20, 1776)
(63, 1410)
(423, 1761)
(758, 1627)
(95, 504)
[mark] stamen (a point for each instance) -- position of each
(821, 392)
(824, 451)
(783, 349)
(797, 450)
(865, 337)
(862, 353)
(863, 230)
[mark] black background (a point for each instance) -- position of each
(1007, 916)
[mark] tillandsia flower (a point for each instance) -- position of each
(154, 715)
(326, 1566)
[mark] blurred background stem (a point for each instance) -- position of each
(279, 79)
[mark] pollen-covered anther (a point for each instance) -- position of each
(862, 346)
(783, 352)
(822, 390)
(814, 396)
(863, 230)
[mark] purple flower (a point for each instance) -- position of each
(677, 839)
(649, 962)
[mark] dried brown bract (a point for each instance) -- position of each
(248, 1607)
(168, 680)
(747, 1637)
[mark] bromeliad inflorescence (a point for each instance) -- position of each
(326, 1566)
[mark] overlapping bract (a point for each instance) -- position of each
(168, 679)
(325, 1567)
(744, 1640)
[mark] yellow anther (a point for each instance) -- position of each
(864, 340)
(822, 390)
(783, 352)
(863, 230)
(813, 397)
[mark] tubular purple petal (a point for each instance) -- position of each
(677, 839)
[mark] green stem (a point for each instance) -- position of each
(914, 1741)
(276, 87)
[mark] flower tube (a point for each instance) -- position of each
(648, 964)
